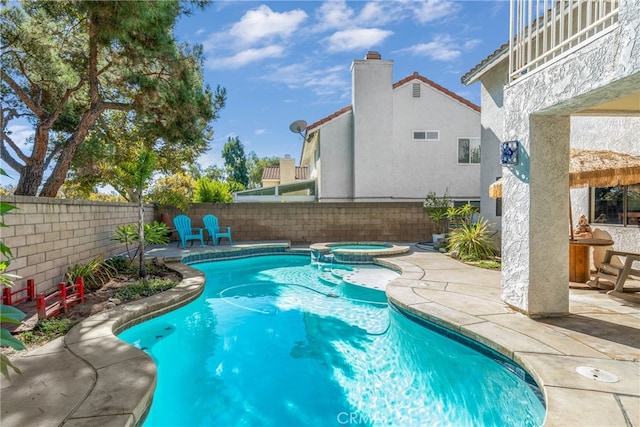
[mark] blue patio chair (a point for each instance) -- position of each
(182, 223)
(215, 231)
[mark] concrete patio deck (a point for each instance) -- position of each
(89, 377)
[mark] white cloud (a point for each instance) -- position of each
(334, 14)
(260, 34)
(260, 131)
(358, 38)
(375, 12)
(20, 133)
(262, 24)
(442, 48)
(432, 10)
(330, 81)
(337, 15)
(472, 44)
(245, 57)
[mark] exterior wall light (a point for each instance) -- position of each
(509, 152)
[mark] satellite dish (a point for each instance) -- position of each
(298, 126)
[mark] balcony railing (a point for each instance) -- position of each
(541, 31)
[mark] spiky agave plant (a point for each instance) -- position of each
(473, 242)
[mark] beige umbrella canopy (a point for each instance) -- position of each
(595, 168)
(602, 168)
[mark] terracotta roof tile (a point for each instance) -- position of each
(272, 173)
(329, 117)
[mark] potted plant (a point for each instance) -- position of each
(436, 207)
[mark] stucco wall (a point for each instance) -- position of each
(46, 236)
(418, 167)
(492, 122)
(336, 156)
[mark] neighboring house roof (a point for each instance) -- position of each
(329, 117)
(272, 173)
(414, 76)
(485, 64)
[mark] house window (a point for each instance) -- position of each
(616, 205)
(416, 90)
(426, 135)
(468, 150)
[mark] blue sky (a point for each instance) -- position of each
(282, 61)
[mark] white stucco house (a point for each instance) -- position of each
(568, 77)
(396, 141)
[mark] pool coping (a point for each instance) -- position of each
(106, 364)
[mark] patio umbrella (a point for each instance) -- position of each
(596, 168)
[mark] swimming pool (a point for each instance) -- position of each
(266, 344)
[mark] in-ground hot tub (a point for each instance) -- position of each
(354, 252)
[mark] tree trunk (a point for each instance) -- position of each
(33, 171)
(30, 179)
(59, 173)
(143, 266)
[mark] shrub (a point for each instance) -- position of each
(96, 273)
(490, 265)
(119, 264)
(210, 191)
(46, 330)
(436, 207)
(472, 242)
(154, 234)
(144, 288)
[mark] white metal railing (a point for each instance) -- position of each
(542, 30)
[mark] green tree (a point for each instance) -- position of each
(256, 166)
(214, 172)
(110, 142)
(210, 191)
(64, 64)
(133, 178)
(173, 190)
(235, 161)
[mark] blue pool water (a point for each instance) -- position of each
(362, 247)
(265, 346)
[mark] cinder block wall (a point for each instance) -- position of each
(316, 222)
(48, 235)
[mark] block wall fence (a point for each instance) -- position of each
(49, 235)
